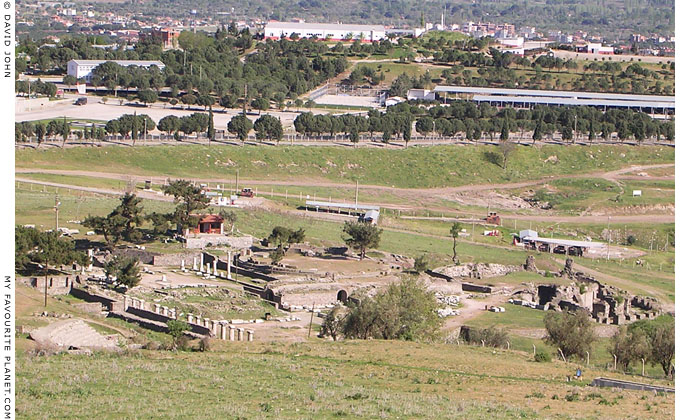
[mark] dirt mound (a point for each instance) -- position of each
(493, 198)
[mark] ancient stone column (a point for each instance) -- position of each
(215, 267)
(223, 332)
(231, 332)
(190, 318)
(208, 268)
(250, 335)
(173, 313)
(214, 327)
(240, 333)
(206, 322)
(157, 308)
(198, 320)
(196, 268)
(165, 311)
(182, 265)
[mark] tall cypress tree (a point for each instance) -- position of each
(210, 130)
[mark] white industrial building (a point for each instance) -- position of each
(421, 95)
(516, 42)
(83, 68)
(597, 48)
(335, 32)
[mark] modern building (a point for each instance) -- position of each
(83, 68)
(516, 42)
(595, 48)
(421, 94)
(527, 98)
(531, 240)
(335, 32)
(415, 33)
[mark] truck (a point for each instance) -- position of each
(81, 101)
(246, 192)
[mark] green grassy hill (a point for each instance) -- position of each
(404, 168)
(322, 380)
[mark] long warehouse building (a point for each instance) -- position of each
(84, 68)
(526, 98)
(335, 32)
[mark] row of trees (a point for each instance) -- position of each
(461, 118)
(650, 340)
(53, 129)
(38, 87)
(476, 122)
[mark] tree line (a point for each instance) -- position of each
(460, 119)
(54, 129)
(474, 122)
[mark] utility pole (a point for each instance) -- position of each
(57, 213)
(608, 233)
(244, 103)
(237, 180)
(356, 194)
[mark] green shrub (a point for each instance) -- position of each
(573, 396)
(542, 356)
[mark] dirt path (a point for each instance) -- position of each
(311, 183)
(639, 218)
(142, 194)
(471, 308)
(635, 218)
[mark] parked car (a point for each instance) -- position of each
(81, 101)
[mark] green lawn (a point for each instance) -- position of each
(391, 70)
(82, 181)
(414, 167)
(515, 316)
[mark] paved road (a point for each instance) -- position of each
(112, 110)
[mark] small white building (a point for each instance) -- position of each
(83, 68)
(393, 100)
(335, 32)
(597, 48)
(421, 95)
